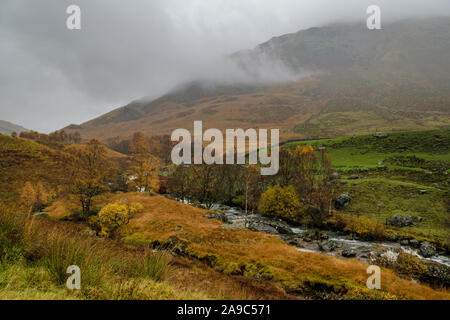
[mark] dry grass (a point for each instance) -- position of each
(34, 258)
(34, 268)
(256, 255)
(203, 282)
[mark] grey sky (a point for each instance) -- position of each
(127, 49)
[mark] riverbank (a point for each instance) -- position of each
(434, 269)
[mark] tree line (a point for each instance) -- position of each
(304, 178)
(57, 136)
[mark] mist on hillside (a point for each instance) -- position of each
(52, 77)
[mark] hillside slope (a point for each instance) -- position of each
(257, 255)
(23, 160)
(353, 81)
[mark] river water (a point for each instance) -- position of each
(363, 249)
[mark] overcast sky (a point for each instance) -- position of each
(128, 49)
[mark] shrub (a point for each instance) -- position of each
(115, 215)
(365, 228)
(409, 265)
(281, 202)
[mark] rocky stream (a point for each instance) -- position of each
(338, 244)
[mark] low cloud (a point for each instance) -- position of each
(51, 77)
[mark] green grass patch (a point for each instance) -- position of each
(380, 199)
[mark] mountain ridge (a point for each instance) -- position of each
(394, 76)
(8, 128)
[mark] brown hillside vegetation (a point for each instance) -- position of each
(352, 81)
(255, 255)
(33, 267)
(281, 106)
(26, 160)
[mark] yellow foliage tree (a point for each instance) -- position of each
(281, 202)
(116, 215)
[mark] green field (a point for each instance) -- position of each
(405, 173)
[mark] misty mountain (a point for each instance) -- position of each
(8, 128)
(350, 80)
(420, 47)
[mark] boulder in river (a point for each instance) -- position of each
(262, 227)
(353, 177)
(328, 246)
(219, 215)
(349, 253)
(296, 242)
(414, 243)
(402, 220)
(342, 201)
(427, 250)
(314, 235)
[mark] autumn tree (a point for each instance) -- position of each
(228, 182)
(43, 196)
(325, 186)
(161, 147)
(253, 187)
(35, 197)
(179, 182)
(28, 197)
(115, 216)
(312, 182)
(144, 167)
(289, 162)
(90, 174)
(203, 183)
(281, 202)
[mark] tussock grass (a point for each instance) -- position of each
(35, 261)
(149, 265)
